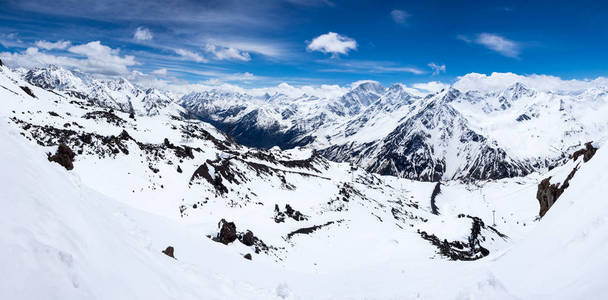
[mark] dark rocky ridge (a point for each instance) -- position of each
(547, 193)
(28, 91)
(471, 249)
(436, 191)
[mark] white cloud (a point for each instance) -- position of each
(32, 57)
(161, 72)
(103, 59)
(399, 16)
(437, 68)
(546, 83)
(324, 90)
(53, 45)
(499, 44)
(227, 53)
(11, 40)
(142, 34)
(264, 47)
(383, 69)
(367, 67)
(360, 82)
(430, 87)
(333, 43)
(246, 76)
(464, 38)
(97, 59)
(189, 55)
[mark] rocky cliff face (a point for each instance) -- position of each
(548, 192)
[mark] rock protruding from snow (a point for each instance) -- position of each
(28, 91)
(471, 248)
(64, 156)
(227, 232)
(588, 152)
(169, 251)
(248, 239)
(548, 193)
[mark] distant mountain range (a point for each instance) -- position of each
(450, 134)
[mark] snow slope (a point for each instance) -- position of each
(564, 256)
(98, 230)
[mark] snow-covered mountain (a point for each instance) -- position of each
(277, 119)
(485, 133)
(117, 94)
(101, 202)
(468, 131)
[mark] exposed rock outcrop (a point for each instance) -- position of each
(587, 152)
(227, 232)
(309, 230)
(548, 193)
(436, 191)
(471, 249)
(169, 251)
(28, 91)
(248, 239)
(64, 156)
(279, 216)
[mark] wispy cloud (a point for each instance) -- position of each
(227, 53)
(368, 67)
(220, 13)
(53, 45)
(264, 47)
(499, 44)
(190, 55)
(11, 40)
(92, 57)
(142, 34)
(431, 86)
(464, 38)
(436, 68)
(160, 72)
(333, 43)
(495, 42)
(399, 16)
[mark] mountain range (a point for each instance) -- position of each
(490, 133)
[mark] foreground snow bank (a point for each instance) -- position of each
(565, 256)
(62, 240)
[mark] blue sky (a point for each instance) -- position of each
(263, 43)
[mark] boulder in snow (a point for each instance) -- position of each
(64, 156)
(169, 251)
(227, 232)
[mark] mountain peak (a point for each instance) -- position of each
(362, 95)
(53, 77)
